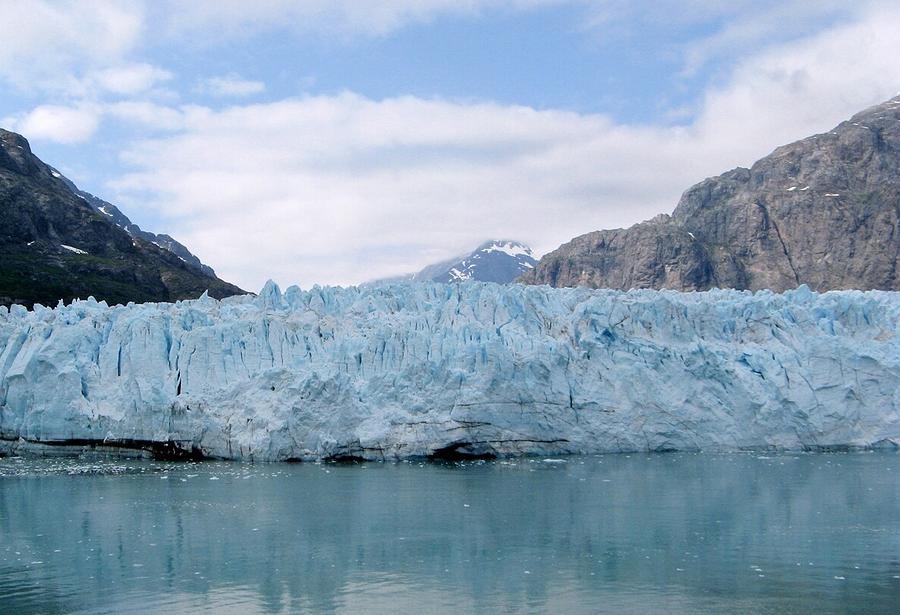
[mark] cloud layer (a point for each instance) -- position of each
(344, 17)
(231, 85)
(58, 123)
(46, 44)
(341, 189)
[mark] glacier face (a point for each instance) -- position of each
(470, 369)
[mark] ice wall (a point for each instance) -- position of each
(468, 369)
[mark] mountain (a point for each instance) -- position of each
(122, 221)
(498, 260)
(823, 211)
(55, 244)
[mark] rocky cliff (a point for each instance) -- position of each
(166, 242)
(823, 211)
(54, 245)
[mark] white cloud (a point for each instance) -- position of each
(147, 114)
(333, 189)
(58, 124)
(238, 17)
(703, 31)
(52, 44)
(72, 124)
(232, 85)
(46, 44)
(129, 78)
(792, 90)
(341, 189)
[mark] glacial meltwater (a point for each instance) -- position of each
(642, 533)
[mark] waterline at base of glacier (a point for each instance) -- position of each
(453, 371)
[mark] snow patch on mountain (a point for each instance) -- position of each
(512, 248)
(72, 249)
(162, 241)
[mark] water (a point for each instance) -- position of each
(672, 533)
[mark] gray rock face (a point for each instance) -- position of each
(55, 245)
(822, 211)
(166, 242)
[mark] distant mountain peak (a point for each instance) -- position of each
(506, 246)
(496, 260)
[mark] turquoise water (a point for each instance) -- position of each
(668, 533)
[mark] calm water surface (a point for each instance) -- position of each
(668, 533)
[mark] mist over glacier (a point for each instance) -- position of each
(414, 370)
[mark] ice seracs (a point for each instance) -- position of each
(455, 370)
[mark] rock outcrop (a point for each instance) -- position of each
(166, 242)
(54, 245)
(824, 211)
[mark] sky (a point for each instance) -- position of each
(338, 141)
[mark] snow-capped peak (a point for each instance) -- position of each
(498, 260)
(513, 248)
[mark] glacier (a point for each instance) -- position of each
(452, 371)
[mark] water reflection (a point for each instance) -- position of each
(675, 533)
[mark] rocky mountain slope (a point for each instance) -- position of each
(166, 242)
(823, 211)
(497, 260)
(54, 245)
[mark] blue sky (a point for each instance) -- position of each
(337, 141)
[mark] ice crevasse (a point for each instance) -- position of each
(472, 369)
